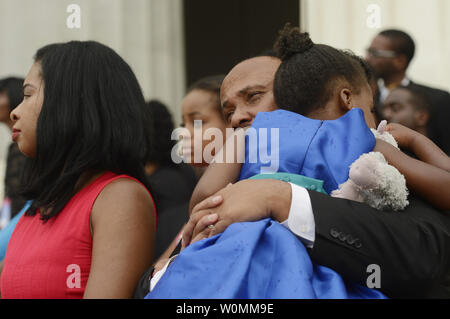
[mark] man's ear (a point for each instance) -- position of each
(400, 62)
(345, 99)
(422, 118)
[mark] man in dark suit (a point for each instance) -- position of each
(411, 248)
(408, 106)
(389, 55)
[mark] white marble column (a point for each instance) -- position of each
(148, 34)
(343, 24)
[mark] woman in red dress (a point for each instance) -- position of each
(90, 230)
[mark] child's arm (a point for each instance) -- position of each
(420, 145)
(223, 170)
(431, 182)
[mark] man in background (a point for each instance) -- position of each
(390, 54)
(411, 248)
(407, 106)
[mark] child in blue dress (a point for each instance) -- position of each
(324, 129)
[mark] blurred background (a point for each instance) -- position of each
(171, 43)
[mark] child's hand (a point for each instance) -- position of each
(160, 265)
(402, 134)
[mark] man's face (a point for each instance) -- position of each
(398, 109)
(248, 89)
(380, 56)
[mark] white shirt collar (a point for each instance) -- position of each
(384, 91)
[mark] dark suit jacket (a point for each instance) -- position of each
(438, 124)
(411, 247)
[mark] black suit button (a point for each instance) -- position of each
(350, 240)
(358, 243)
(342, 237)
(334, 233)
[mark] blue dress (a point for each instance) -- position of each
(5, 233)
(323, 150)
(264, 260)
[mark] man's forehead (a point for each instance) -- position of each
(256, 65)
(381, 42)
(259, 69)
(400, 92)
(398, 95)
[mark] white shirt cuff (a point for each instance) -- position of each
(301, 218)
(155, 279)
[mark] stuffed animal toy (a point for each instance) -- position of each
(373, 181)
(382, 134)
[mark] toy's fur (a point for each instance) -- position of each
(373, 181)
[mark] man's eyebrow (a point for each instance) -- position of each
(245, 90)
(194, 113)
(250, 88)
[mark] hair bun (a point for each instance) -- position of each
(291, 41)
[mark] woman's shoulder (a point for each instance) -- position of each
(123, 196)
(125, 185)
(108, 181)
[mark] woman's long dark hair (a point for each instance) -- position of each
(93, 119)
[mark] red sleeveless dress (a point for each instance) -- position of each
(53, 259)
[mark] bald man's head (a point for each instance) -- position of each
(248, 89)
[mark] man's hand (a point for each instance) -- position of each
(247, 200)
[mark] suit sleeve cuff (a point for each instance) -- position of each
(301, 218)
